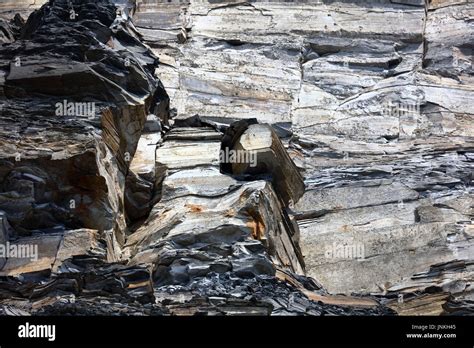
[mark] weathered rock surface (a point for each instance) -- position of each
(378, 95)
(373, 102)
(259, 151)
(71, 115)
(197, 241)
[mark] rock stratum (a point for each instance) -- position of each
(356, 120)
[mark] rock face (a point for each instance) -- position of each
(71, 117)
(353, 119)
(98, 206)
(377, 97)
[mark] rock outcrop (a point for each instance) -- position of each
(99, 206)
(71, 118)
(354, 120)
(377, 96)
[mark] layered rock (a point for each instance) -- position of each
(143, 179)
(377, 97)
(216, 222)
(83, 155)
(372, 100)
(71, 118)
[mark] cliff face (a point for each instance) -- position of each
(371, 100)
(375, 101)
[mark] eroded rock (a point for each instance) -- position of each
(370, 98)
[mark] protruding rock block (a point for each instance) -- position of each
(260, 151)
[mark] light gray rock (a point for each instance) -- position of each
(259, 151)
(376, 93)
(142, 178)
